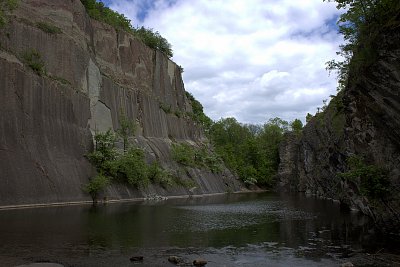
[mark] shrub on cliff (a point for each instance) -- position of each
(196, 157)
(5, 7)
(151, 38)
(34, 60)
(373, 181)
(99, 11)
(154, 40)
(198, 114)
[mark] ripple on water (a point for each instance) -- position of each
(237, 215)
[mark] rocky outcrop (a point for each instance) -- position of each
(93, 74)
(363, 120)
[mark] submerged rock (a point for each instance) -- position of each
(137, 258)
(199, 262)
(175, 259)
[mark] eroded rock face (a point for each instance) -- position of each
(367, 125)
(93, 74)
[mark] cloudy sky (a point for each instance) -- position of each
(252, 60)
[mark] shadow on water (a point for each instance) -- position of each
(232, 230)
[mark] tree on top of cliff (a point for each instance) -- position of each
(360, 25)
(151, 38)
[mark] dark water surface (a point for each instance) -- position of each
(227, 230)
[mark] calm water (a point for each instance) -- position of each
(227, 230)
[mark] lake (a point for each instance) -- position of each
(249, 229)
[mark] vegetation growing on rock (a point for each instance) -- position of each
(48, 28)
(373, 180)
(34, 60)
(6, 6)
(151, 38)
(360, 25)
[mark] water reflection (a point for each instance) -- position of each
(238, 229)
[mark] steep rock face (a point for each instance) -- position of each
(363, 120)
(93, 75)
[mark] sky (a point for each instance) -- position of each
(253, 60)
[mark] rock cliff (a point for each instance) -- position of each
(364, 121)
(65, 76)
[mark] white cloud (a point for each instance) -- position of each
(252, 59)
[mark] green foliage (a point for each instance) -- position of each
(183, 154)
(297, 126)
(127, 167)
(96, 185)
(360, 25)
(6, 6)
(373, 181)
(51, 29)
(198, 113)
(251, 151)
(196, 157)
(151, 38)
(126, 129)
(100, 12)
(160, 176)
(104, 152)
(309, 117)
(130, 167)
(34, 60)
(166, 108)
(154, 40)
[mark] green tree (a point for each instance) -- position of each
(96, 185)
(251, 151)
(360, 24)
(104, 151)
(127, 128)
(297, 126)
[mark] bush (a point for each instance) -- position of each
(184, 154)
(196, 157)
(160, 176)
(373, 181)
(104, 152)
(151, 38)
(48, 28)
(154, 40)
(100, 12)
(6, 6)
(96, 185)
(34, 60)
(131, 168)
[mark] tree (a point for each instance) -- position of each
(297, 126)
(127, 128)
(309, 117)
(360, 25)
(96, 185)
